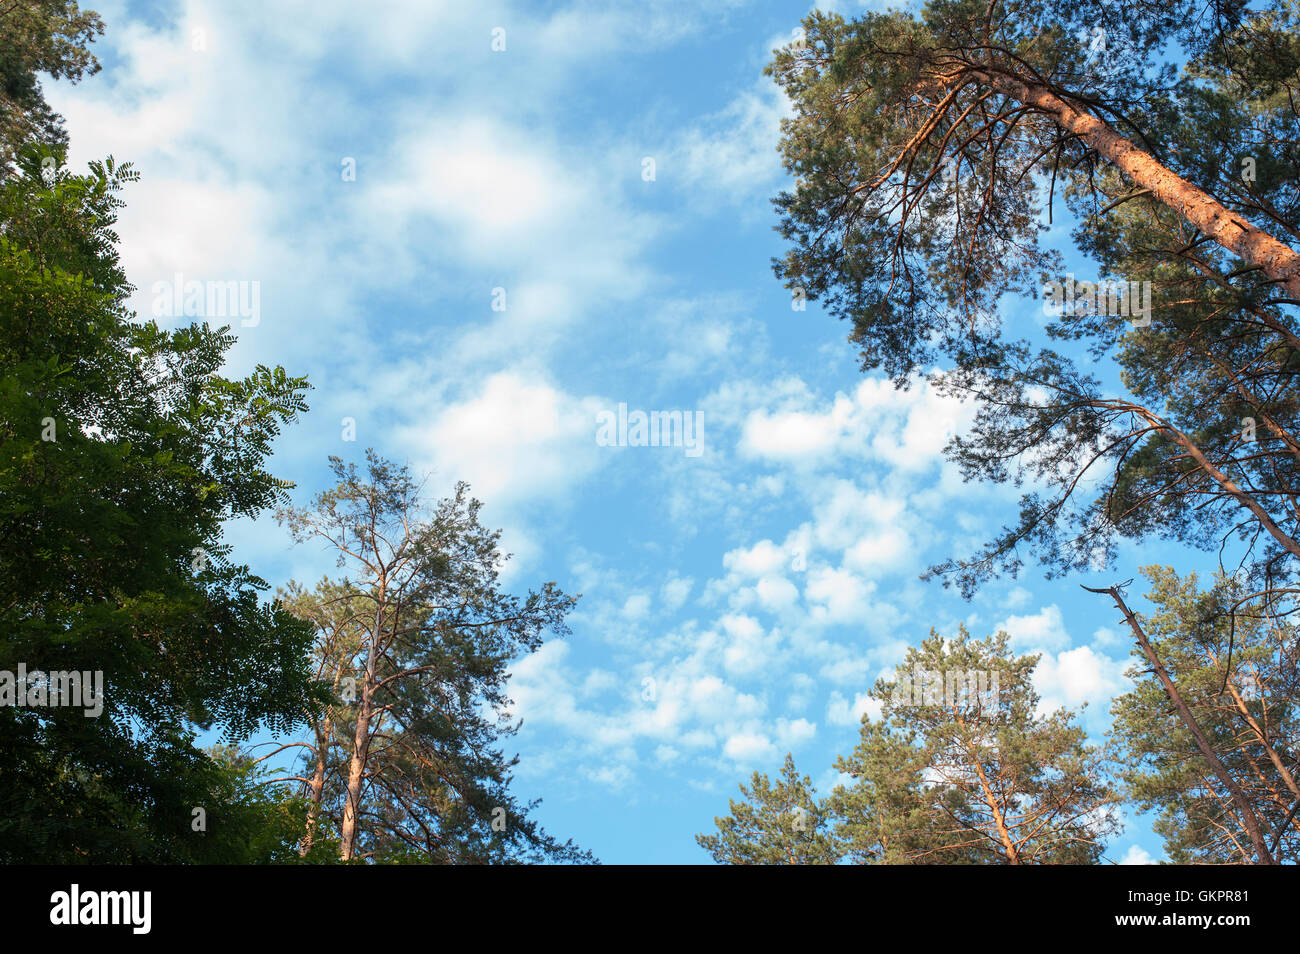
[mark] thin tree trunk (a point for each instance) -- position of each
(1287, 778)
(1230, 486)
(986, 789)
(1004, 835)
(1253, 245)
(356, 772)
(1248, 819)
(360, 748)
(317, 785)
(315, 788)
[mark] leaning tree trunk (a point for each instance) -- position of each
(1253, 245)
(1248, 819)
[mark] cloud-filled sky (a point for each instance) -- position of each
(474, 254)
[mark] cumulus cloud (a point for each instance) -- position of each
(845, 712)
(764, 557)
(749, 748)
(1042, 630)
(1137, 856)
(906, 429)
(1070, 678)
(838, 596)
(514, 438)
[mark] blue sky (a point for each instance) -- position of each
(762, 585)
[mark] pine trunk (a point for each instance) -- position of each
(1253, 245)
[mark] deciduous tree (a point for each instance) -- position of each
(123, 451)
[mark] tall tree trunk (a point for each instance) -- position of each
(1248, 819)
(356, 774)
(315, 788)
(999, 816)
(1253, 245)
(360, 747)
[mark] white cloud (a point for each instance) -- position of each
(763, 558)
(637, 606)
(847, 669)
(791, 733)
(1042, 630)
(749, 649)
(1076, 676)
(515, 438)
(734, 152)
(749, 748)
(611, 776)
(843, 712)
(838, 596)
(1137, 856)
(1017, 597)
(675, 592)
(879, 550)
(666, 753)
(776, 593)
(906, 429)
(792, 434)
(1105, 636)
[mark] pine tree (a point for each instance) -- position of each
(1236, 668)
(40, 36)
(416, 641)
(928, 151)
(776, 823)
(962, 768)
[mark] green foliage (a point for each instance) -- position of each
(973, 776)
(122, 453)
(1236, 667)
(777, 823)
(251, 819)
(423, 632)
(40, 36)
(922, 192)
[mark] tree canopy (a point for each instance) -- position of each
(416, 641)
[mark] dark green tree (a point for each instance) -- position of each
(250, 819)
(122, 453)
(39, 36)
